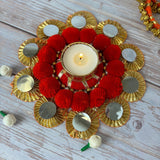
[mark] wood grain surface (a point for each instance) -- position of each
(27, 140)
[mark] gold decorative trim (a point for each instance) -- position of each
(119, 38)
(29, 61)
(58, 118)
(61, 25)
(33, 94)
(85, 134)
(115, 123)
(138, 63)
(133, 97)
(91, 21)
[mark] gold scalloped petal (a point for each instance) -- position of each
(138, 63)
(85, 134)
(29, 61)
(119, 38)
(58, 119)
(91, 21)
(115, 123)
(33, 94)
(40, 34)
(133, 97)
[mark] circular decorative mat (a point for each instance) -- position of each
(81, 72)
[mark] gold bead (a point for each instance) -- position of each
(146, 18)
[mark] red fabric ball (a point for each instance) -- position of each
(91, 82)
(71, 34)
(112, 85)
(47, 54)
(97, 97)
(101, 42)
(115, 68)
(87, 35)
(49, 87)
(80, 101)
(77, 85)
(63, 98)
(42, 70)
(57, 42)
(112, 52)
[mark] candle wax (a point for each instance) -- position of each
(80, 59)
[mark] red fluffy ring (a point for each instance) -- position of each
(101, 42)
(87, 35)
(115, 68)
(112, 85)
(49, 87)
(42, 70)
(57, 42)
(47, 54)
(71, 35)
(63, 98)
(112, 52)
(97, 97)
(80, 101)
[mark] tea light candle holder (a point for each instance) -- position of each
(79, 60)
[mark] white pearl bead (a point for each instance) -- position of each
(5, 71)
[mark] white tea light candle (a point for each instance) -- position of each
(79, 59)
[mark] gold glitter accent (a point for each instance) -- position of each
(29, 61)
(59, 24)
(85, 134)
(138, 63)
(119, 38)
(58, 118)
(133, 97)
(91, 21)
(31, 95)
(115, 123)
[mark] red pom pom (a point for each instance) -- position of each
(101, 42)
(80, 101)
(49, 87)
(57, 42)
(42, 70)
(91, 82)
(87, 35)
(63, 98)
(97, 97)
(71, 34)
(115, 68)
(112, 85)
(77, 85)
(112, 52)
(47, 54)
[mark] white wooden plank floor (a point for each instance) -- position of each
(138, 139)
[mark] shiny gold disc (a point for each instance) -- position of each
(27, 52)
(89, 22)
(111, 120)
(138, 63)
(33, 92)
(49, 122)
(113, 30)
(92, 128)
(130, 94)
(52, 25)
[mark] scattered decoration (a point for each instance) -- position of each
(5, 71)
(147, 8)
(8, 119)
(80, 72)
(95, 141)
